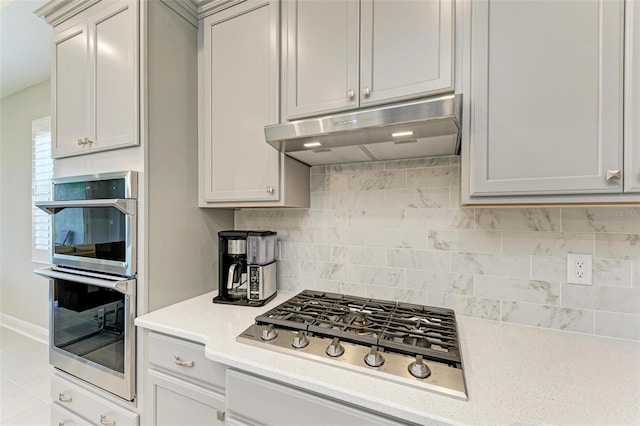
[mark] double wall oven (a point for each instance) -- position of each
(92, 283)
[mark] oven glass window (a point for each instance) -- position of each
(89, 321)
(90, 190)
(96, 232)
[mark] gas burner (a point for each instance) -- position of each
(357, 318)
(419, 342)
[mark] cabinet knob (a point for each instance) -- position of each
(614, 175)
(270, 190)
(182, 363)
(366, 90)
(220, 416)
(105, 422)
(350, 93)
(63, 398)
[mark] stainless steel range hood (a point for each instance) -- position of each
(423, 128)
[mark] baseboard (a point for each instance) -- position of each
(40, 334)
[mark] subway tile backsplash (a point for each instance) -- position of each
(394, 230)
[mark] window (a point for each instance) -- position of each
(41, 174)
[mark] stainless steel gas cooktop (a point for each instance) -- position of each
(412, 344)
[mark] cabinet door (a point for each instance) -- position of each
(632, 98)
(272, 403)
(175, 402)
(114, 88)
(70, 90)
(321, 56)
(241, 97)
(546, 97)
(406, 49)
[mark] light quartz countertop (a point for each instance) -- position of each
(515, 374)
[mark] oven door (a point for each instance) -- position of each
(91, 330)
(94, 235)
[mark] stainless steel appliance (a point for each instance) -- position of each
(94, 222)
(92, 287)
(423, 128)
(412, 344)
(247, 272)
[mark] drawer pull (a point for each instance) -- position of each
(182, 363)
(220, 416)
(105, 422)
(63, 398)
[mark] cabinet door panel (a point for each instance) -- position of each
(321, 56)
(241, 86)
(407, 49)
(175, 402)
(269, 399)
(632, 99)
(547, 105)
(70, 89)
(115, 88)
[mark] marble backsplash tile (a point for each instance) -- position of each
(394, 230)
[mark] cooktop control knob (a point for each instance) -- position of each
(374, 358)
(335, 349)
(300, 340)
(269, 333)
(419, 369)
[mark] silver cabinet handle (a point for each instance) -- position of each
(350, 93)
(614, 175)
(182, 363)
(366, 91)
(63, 398)
(270, 190)
(80, 142)
(105, 422)
(220, 416)
(88, 141)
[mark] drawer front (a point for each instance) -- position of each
(89, 406)
(61, 416)
(185, 359)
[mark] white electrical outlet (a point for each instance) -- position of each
(579, 268)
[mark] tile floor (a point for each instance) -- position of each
(24, 380)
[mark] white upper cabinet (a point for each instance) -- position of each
(95, 80)
(240, 74)
(70, 87)
(546, 97)
(632, 98)
(406, 49)
(346, 54)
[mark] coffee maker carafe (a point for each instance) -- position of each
(247, 267)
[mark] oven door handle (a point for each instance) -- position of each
(121, 285)
(126, 206)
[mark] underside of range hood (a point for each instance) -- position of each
(423, 128)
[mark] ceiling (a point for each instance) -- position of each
(25, 46)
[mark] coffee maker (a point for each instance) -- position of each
(247, 267)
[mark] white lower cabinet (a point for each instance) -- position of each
(253, 400)
(177, 402)
(74, 404)
(183, 387)
(62, 416)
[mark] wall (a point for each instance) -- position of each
(23, 295)
(393, 230)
